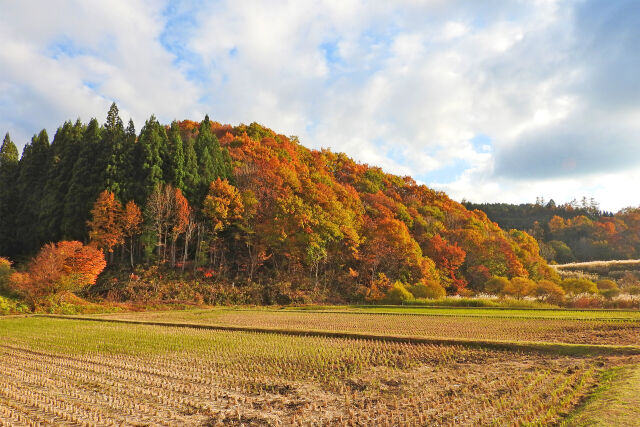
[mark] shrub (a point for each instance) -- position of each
(606, 284)
(587, 301)
(65, 266)
(519, 287)
(5, 273)
(428, 289)
(610, 293)
(378, 289)
(633, 290)
(579, 286)
(549, 290)
(496, 285)
(10, 306)
(397, 294)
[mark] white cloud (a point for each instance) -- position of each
(403, 85)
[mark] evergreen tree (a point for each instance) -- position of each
(86, 184)
(153, 138)
(129, 163)
(31, 182)
(173, 161)
(191, 176)
(64, 153)
(8, 194)
(212, 161)
(113, 141)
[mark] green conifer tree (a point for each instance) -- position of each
(8, 195)
(191, 177)
(174, 158)
(129, 163)
(31, 182)
(87, 182)
(114, 140)
(212, 161)
(153, 138)
(64, 153)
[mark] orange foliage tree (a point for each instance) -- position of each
(131, 225)
(222, 205)
(105, 227)
(65, 266)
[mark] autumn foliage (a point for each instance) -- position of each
(247, 205)
(65, 266)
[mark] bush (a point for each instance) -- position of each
(65, 266)
(10, 306)
(519, 287)
(428, 289)
(378, 289)
(633, 290)
(398, 294)
(610, 293)
(606, 284)
(551, 292)
(5, 273)
(496, 285)
(579, 286)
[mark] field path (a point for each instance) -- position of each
(615, 402)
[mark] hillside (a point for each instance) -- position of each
(572, 232)
(238, 205)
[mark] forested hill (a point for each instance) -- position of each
(574, 231)
(245, 204)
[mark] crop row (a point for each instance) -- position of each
(479, 328)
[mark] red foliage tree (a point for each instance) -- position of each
(448, 258)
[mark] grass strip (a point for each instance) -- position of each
(615, 401)
(521, 346)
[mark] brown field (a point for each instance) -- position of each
(601, 332)
(69, 372)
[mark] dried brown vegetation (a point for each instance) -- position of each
(63, 372)
(571, 331)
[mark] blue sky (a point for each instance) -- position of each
(488, 101)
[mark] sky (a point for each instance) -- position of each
(489, 101)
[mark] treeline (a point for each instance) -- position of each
(244, 205)
(572, 231)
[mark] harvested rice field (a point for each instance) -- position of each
(85, 373)
(615, 330)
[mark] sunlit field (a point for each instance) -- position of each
(79, 372)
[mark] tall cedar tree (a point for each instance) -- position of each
(153, 139)
(173, 161)
(65, 147)
(113, 141)
(31, 182)
(8, 194)
(191, 176)
(130, 163)
(213, 160)
(86, 184)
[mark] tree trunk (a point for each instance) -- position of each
(131, 251)
(195, 261)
